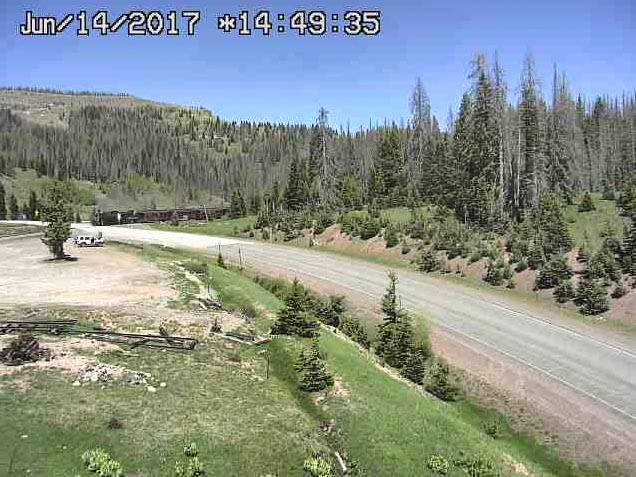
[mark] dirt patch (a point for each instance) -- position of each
(100, 277)
(64, 354)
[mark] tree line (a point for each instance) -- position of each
(497, 157)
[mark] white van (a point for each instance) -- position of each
(88, 241)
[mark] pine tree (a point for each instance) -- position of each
(564, 292)
(294, 192)
(296, 317)
(14, 209)
(237, 205)
(389, 174)
(415, 365)
(428, 261)
(440, 383)
(549, 221)
(58, 213)
(313, 371)
(553, 272)
(352, 327)
(3, 207)
(530, 167)
(587, 204)
(591, 297)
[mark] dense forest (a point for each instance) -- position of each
(497, 157)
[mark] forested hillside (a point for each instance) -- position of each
(499, 154)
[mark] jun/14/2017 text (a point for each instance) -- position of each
(187, 22)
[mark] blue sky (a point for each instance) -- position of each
(286, 78)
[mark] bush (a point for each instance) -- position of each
(220, 261)
(192, 467)
(351, 327)
(477, 466)
(100, 462)
(591, 297)
(619, 291)
(196, 267)
(265, 234)
(114, 423)
(438, 464)
(428, 261)
(551, 273)
(317, 466)
(439, 383)
(494, 275)
(493, 429)
(587, 204)
(391, 237)
(521, 266)
(564, 292)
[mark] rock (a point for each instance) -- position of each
(162, 384)
(76, 383)
(151, 389)
(24, 436)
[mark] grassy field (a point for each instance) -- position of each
(591, 224)
(228, 228)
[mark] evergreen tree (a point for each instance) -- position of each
(296, 317)
(58, 213)
(32, 206)
(549, 221)
(564, 291)
(237, 205)
(331, 311)
(389, 174)
(3, 207)
(352, 327)
(441, 384)
(414, 368)
(350, 193)
(294, 193)
(591, 297)
(428, 261)
(313, 371)
(587, 204)
(14, 209)
(529, 169)
(553, 272)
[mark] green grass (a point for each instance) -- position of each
(594, 222)
(216, 227)
(242, 424)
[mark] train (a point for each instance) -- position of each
(118, 217)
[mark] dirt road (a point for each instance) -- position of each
(587, 382)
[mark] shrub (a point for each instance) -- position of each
(551, 273)
(114, 423)
(265, 234)
(564, 292)
(100, 462)
(196, 267)
(440, 384)
(521, 266)
(351, 327)
(493, 429)
(587, 204)
(405, 249)
(428, 261)
(591, 297)
(190, 450)
(511, 284)
(619, 291)
(438, 464)
(220, 261)
(391, 237)
(477, 466)
(318, 466)
(494, 275)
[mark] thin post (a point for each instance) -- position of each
(240, 259)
